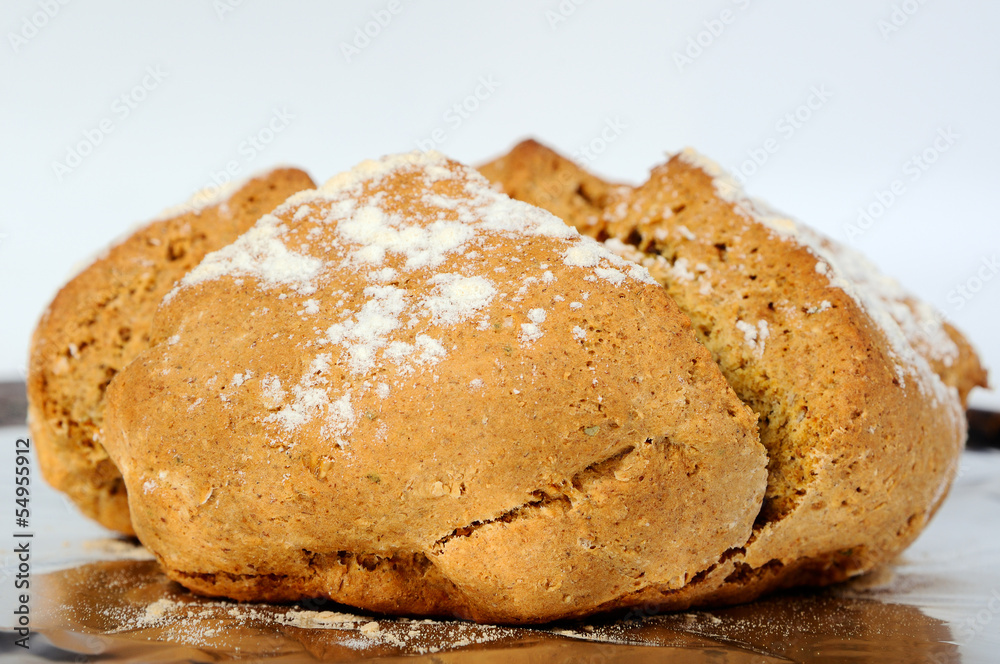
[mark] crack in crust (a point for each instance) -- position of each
(835, 429)
(554, 494)
(397, 583)
(603, 484)
(318, 561)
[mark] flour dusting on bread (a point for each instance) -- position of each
(422, 428)
(881, 297)
(261, 254)
(373, 235)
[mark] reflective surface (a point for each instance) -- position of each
(100, 599)
(115, 610)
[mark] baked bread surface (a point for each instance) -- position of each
(100, 320)
(858, 386)
(411, 394)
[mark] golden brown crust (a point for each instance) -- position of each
(553, 505)
(861, 445)
(535, 174)
(516, 478)
(396, 585)
(859, 457)
(101, 319)
(946, 350)
(965, 371)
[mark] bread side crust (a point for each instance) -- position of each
(862, 446)
(100, 321)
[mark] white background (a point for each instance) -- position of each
(227, 72)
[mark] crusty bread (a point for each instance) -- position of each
(408, 393)
(535, 174)
(100, 320)
(858, 389)
(538, 175)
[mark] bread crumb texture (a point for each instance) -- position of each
(409, 393)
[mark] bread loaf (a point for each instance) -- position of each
(408, 393)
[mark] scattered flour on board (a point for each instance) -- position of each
(223, 624)
(116, 549)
